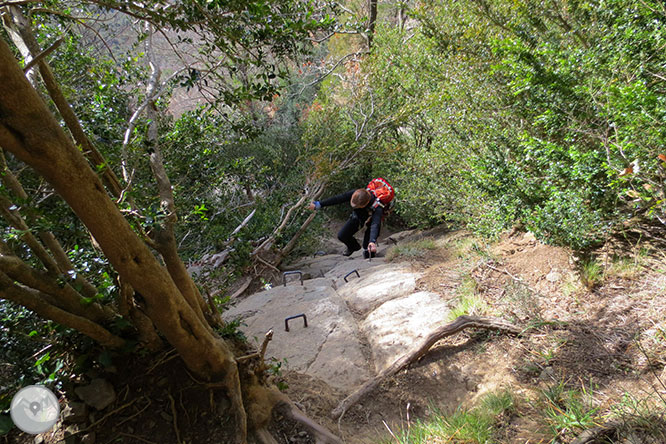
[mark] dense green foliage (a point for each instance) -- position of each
(531, 111)
(482, 113)
(225, 157)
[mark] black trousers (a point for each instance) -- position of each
(353, 224)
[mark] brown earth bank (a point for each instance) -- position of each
(595, 328)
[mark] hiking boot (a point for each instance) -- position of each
(349, 251)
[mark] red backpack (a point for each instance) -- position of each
(383, 193)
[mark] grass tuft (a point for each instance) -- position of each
(468, 300)
(415, 249)
(591, 273)
(567, 410)
(478, 425)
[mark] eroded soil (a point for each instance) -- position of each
(604, 337)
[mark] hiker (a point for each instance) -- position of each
(369, 206)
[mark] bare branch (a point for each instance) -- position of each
(330, 71)
(36, 59)
(156, 94)
(35, 301)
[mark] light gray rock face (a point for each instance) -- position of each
(328, 348)
(378, 285)
(317, 266)
(356, 327)
(98, 394)
(401, 324)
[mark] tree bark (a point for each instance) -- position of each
(31, 133)
(35, 301)
(22, 35)
(372, 20)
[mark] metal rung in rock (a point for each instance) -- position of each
(284, 276)
(353, 271)
(302, 315)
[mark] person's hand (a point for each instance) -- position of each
(311, 206)
(372, 247)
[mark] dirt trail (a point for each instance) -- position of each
(576, 335)
(603, 340)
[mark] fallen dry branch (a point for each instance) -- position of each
(262, 351)
(461, 323)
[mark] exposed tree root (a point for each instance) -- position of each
(461, 323)
(264, 437)
(321, 435)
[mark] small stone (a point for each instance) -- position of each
(98, 394)
(39, 439)
(529, 238)
(553, 276)
(75, 413)
(88, 438)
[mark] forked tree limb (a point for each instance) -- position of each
(461, 323)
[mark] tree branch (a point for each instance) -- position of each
(36, 59)
(461, 323)
(48, 239)
(34, 300)
(65, 296)
(23, 31)
(165, 240)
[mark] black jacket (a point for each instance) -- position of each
(363, 214)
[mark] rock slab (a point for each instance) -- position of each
(377, 285)
(328, 347)
(399, 325)
(99, 394)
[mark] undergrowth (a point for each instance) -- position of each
(468, 301)
(477, 425)
(415, 249)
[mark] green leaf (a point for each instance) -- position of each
(43, 359)
(105, 359)
(6, 424)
